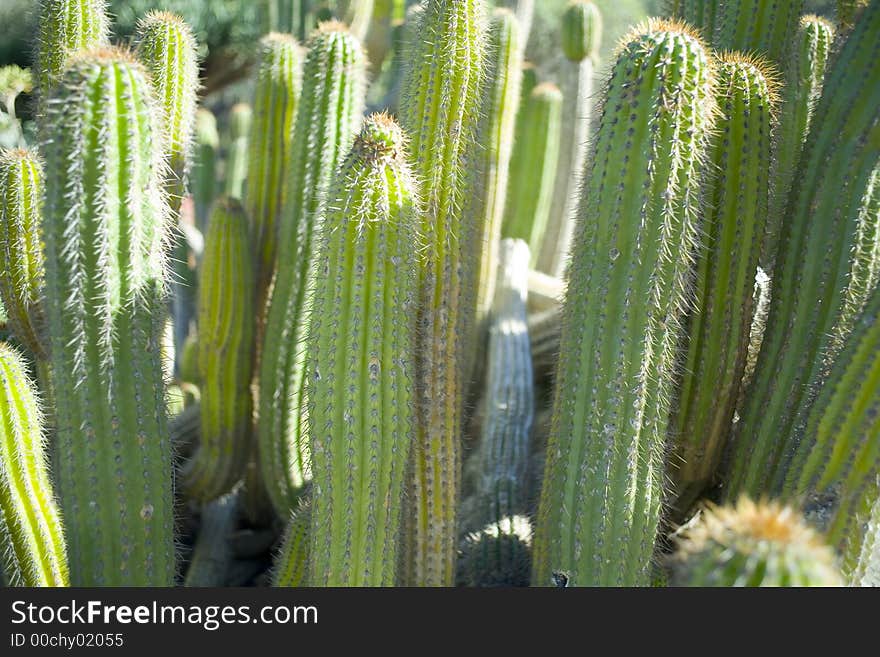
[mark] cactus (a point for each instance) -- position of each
(279, 81)
(804, 75)
(66, 27)
(31, 534)
(226, 332)
(358, 15)
(758, 26)
(581, 35)
(699, 13)
(497, 555)
(203, 178)
(600, 502)
(501, 99)
(861, 563)
(825, 268)
(327, 118)
(212, 553)
(733, 228)
(22, 272)
(531, 191)
(440, 113)
(847, 13)
(750, 545)
(360, 360)
(292, 561)
(105, 296)
(240, 118)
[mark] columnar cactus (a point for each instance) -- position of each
(361, 353)
(212, 552)
(622, 316)
(732, 226)
(65, 27)
(758, 26)
(497, 555)
(848, 11)
(291, 565)
(751, 545)
(240, 118)
(21, 249)
(581, 35)
(31, 535)
(500, 104)
(699, 13)
(278, 85)
(203, 178)
(226, 341)
(533, 168)
(804, 74)
(861, 563)
(327, 119)
(105, 227)
(358, 15)
(440, 113)
(825, 267)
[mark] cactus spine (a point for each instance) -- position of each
(66, 27)
(803, 76)
(496, 137)
(328, 116)
(292, 561)
(581, 36)
(279, 81)
(240, 118)
(752, 545)
(760, 26)
(699, 13)
(360, 360)
(204, 173)
(31, 534)
(531, 191)
(105, 296)
(22, 272)
(733, 229)
(226, 340)
(440, 113)
(826, 264)
(600, 502)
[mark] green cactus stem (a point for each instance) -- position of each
(763, 27)
(623, 313)
(361, 353)
(861, 561)
(212, 553)
(327, 119)
(750, 545)
(804, 75)
(291, 566)
(66, 27)
(825, 268)
(203, 178)
(31, 533)
(241, 117)
(441, 112)
(499, 555)
(226, 345)
(581, 35)
(732, 226)
(533, 168)
(698, 13)
(22, 266)
(105, 228)
(278, 85)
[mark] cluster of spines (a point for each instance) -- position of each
(441, 116)
(105, 227)
(622, 315)
(327, 119)
(31, 534)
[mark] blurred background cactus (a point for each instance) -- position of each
(450, 292)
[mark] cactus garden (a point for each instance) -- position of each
(440, 293)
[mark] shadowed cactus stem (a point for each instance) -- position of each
(621, 326)
(31, 535)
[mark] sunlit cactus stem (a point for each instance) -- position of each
(328, 116)
(203, 178)
(762, 27)
(826, 265)
(240, 118)
(66, 27)
(581, 36)
(22, 266)
(861, 545)
(804, 73)
(32, 547)
(847, 11)
(291, 564)
(698, 13)
(622, 316)
(441, 109)
(732, 226)
(361, 362)
(226, 346)
(358, 15)
(105, 306)
(533, 168)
